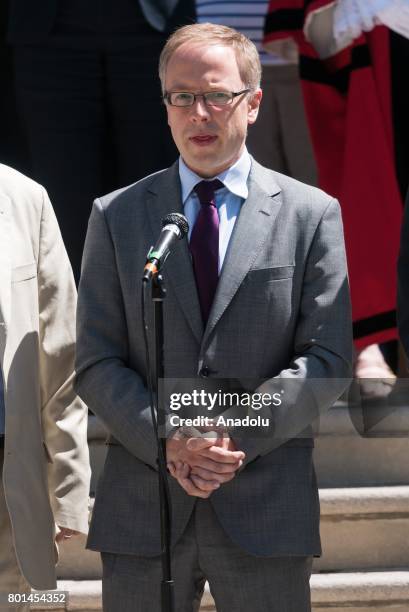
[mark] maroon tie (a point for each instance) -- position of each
(204, 245)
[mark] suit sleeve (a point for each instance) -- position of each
(64, 415)
(320, 369)
(113, 391)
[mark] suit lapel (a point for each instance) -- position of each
(5, 268)
(252, 228)
(165, 197)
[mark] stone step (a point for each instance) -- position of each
(343, 456)
(364, 528)
(378, 455)
(335, 592)
(78, 563)
(361, 591)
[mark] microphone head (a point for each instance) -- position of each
(179, 220)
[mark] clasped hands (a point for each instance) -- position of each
(202, 464)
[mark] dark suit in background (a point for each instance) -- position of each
(403, 281)
(89, 97)
(12, 146)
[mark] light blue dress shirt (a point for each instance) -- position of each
(228, 200)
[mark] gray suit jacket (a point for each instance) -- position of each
(281, 312)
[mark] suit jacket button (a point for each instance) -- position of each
(205, 372)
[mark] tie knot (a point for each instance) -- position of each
(205, 190)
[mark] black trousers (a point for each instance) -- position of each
(90, 101)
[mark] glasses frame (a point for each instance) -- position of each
(233, 94)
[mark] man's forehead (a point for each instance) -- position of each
(193, 59)
(205, 53)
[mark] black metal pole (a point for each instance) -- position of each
(167, 585)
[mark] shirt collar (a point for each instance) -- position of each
(234, 178)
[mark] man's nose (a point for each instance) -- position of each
(199, 110)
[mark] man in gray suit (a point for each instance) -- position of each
(272, 305)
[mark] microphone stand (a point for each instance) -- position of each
(175, 227)
(167, 584)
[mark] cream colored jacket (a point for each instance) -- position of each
(46, 461)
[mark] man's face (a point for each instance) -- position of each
(210, 139)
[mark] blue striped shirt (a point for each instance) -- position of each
(245, 16)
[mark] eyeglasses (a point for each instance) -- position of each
(211, 98)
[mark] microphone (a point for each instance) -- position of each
(174, 227)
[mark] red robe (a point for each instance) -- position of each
(348, 105)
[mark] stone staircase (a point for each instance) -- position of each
(364, 493)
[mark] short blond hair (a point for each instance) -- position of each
(208, 34)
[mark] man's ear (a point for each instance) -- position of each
(253, 105)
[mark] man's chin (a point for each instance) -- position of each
(205, 164)
(204, 170)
